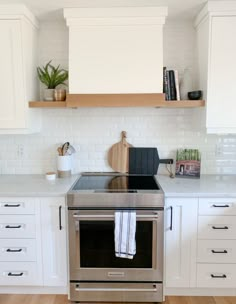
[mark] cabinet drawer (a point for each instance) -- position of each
(217, 206)
(17, 226)
(20, 273)
(217, 227)
(17, 250)
(216, 251)
(216, 275)
(17, 205)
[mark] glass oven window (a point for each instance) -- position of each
(97, 245)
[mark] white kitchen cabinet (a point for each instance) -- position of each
(216, 262)
(54, 245)
(180, 242)
(20, 242)
(216, 37)
(18, 79)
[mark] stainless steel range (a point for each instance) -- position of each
(96, 274)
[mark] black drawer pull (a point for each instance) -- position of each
(223, 276)
(219, 251)
(13, 227)
(12, 205)
(14, 250)
(10, 274)
(224, 228)
(220, 206)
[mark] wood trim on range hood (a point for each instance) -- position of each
(114, 100)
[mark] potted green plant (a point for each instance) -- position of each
(52, 77)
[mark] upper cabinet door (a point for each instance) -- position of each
(222, 66)
(12, 114)
(216, 38)
(18, 77)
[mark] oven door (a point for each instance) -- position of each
(92, 253)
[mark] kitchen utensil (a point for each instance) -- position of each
(145, 161)
(118, 155)
(59, 150)
(70, 150)
(65, 148)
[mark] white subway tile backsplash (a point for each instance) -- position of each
(92, 131)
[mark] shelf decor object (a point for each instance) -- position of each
(52, 77)
(188, 163)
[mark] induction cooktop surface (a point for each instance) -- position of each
(129, 183)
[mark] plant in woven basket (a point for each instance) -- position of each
(52, 77)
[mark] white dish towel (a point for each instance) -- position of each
(125, 229)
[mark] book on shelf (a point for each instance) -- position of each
(171, 84)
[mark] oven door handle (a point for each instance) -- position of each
(98, 216)
(154, 289)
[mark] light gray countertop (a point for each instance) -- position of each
(37, 185)
(206, 186)
(34, 185)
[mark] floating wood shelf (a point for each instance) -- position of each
(47, 104)
(153, 100)
(181, 104)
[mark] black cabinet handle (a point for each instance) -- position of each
(60, 226)
(11, 205)
(220, 206)
(14, 250)
(171, 218)
(224, 228)
(10, 274)
(219, 251)
(223, 276)
(13, 227)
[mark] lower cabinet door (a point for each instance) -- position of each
(20, 273)
(54, 245)
(180, 242)
(216, 275)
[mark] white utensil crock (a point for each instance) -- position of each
(64, 165)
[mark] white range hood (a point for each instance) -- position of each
(115, 50)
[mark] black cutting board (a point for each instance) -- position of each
(143, 161)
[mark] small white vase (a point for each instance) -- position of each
(48, 94)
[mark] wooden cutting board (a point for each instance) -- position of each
(118, 155)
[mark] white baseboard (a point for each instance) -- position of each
(200, 292)
(33, 290)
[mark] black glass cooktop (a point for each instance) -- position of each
(127, 183)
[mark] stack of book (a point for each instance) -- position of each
(171, 84)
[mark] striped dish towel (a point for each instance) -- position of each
(125, 229)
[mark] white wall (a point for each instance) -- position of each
(93, 130)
